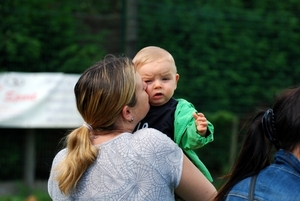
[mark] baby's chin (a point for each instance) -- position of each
(157, 103)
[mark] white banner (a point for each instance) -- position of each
(38, 100)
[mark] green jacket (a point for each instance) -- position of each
(186, 136)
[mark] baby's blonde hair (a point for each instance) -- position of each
(150, 54)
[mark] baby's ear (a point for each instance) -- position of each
(177, 77)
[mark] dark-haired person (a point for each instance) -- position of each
(253, 176)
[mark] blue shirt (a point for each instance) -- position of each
(279, 181)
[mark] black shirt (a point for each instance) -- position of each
(160, 118)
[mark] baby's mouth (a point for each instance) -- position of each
(157, 95)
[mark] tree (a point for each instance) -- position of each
(45, 35)
(232, 56)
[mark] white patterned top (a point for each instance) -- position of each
(146, 165)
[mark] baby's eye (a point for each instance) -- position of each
(147, 81)
(165, 78)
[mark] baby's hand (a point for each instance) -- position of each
(201, 123)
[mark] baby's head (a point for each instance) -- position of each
(157, 68)
(152, 54)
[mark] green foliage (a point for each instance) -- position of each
(231, 55)
(12, 150)
(45, 35)
(215, 160)
(98, 6)
(36, 195)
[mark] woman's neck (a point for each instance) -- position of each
(100, 137)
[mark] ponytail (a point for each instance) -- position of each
(253, 157)
(279, 126)
(80, 155)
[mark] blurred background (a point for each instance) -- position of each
(233, 57)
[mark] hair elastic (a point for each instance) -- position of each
(88, 126)
(268, 125)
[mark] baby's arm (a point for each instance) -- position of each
(198, 132)
(201, 123)
(186, 133)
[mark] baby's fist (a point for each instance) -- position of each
(201, 123)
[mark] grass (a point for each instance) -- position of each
(36, 195)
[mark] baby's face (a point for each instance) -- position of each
(161, 79)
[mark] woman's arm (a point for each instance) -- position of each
(193, 184)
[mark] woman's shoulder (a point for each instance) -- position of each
(150, 137)
(154, 146)
(151, 134)
(59, 156)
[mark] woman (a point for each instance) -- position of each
(253, 177)
(103, 160)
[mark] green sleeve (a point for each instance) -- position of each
(192, 140)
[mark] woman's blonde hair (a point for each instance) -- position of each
(101, 93)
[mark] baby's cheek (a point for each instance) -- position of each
(148, 90)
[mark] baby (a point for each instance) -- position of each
(177, 118)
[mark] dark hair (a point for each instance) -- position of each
(255, 152)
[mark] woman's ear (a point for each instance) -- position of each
(126, 113)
